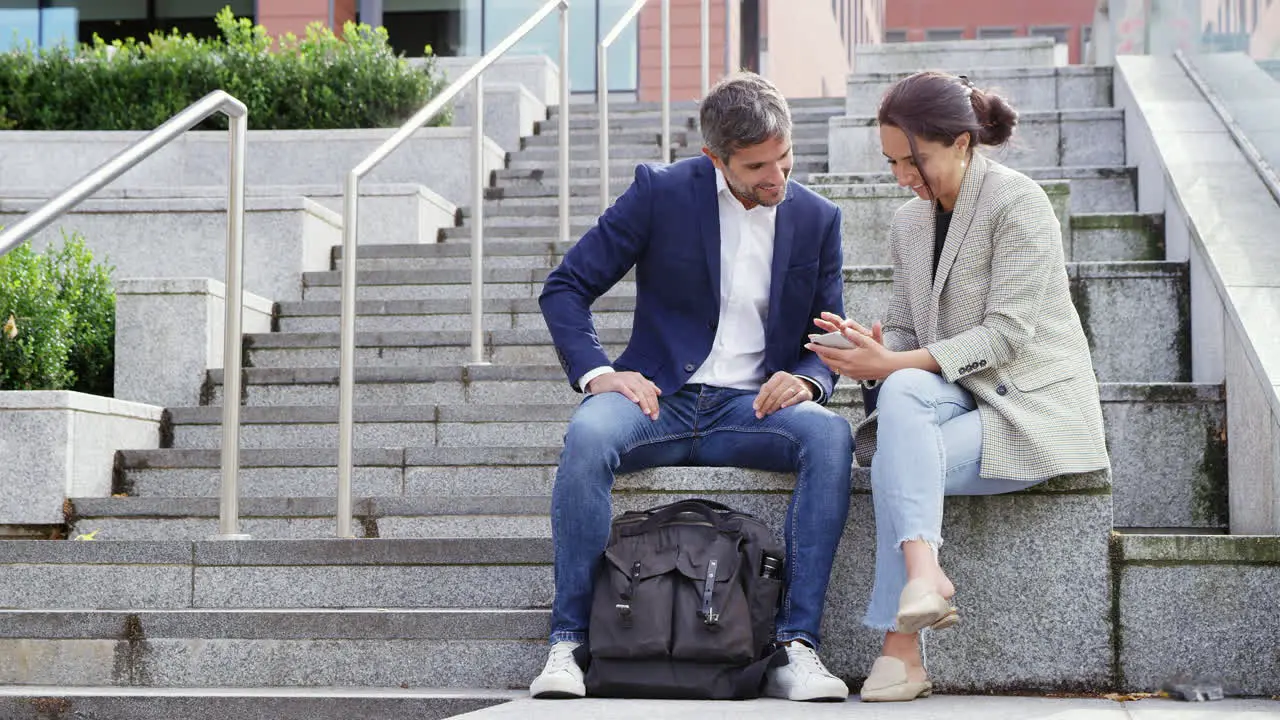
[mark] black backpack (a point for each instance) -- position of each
(684, 605)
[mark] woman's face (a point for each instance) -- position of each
(943, 166)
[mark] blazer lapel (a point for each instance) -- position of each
(707, 202)
(917, 261)
(783, 240)
(961, 218)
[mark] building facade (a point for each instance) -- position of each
(1068, 22)
(806, 46)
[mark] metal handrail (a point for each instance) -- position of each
(602, 91)
(1265, 171)
(706, 47)
(238, 124)
(350, 206)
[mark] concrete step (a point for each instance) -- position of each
(1027, 88)
(1093, 189)
(804, 164)
(1060, 138)
(1167, 447)
(1157, 350)
(1054, 532)
(587, 152)
(500, 283)
(299, 518)
(1166, 441)
(685, 135)
(43, 702)
(867, 215)
(1182, 599)
(799, 107)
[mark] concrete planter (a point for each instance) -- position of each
(439, 158)
(59, 444)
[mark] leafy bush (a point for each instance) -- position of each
(319, 81)
(58, 312)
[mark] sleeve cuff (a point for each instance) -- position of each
(822, 395)
(592, 375)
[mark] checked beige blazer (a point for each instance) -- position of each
(1000, 322)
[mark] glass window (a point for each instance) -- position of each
(503, 16)
(119, 19)
(19, 23)
(895, 36)
(474, 27)
(624, 53)
(451, 27)
(996, 33)
(940, 34)
(1059, 34)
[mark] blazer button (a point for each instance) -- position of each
(691, 367)
(982, 364)
(712, 325)
(1001, 390)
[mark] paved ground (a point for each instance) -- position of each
(940, 707)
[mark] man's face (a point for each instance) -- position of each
(758, 174)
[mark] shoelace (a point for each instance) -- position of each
(804, 656)
(560, 659)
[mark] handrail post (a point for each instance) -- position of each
(706, 46)
(350, 221)
(347, 353)
(602, 100)
(564, 123)
(477, 225)
(666, 80)
(229, 507)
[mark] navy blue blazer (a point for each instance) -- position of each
(667, 227)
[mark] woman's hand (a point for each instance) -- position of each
(869, 359)
(832, 322)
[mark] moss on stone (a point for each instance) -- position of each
(1209, 500)
(1201, 549)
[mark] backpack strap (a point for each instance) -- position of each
(665, 514)
(751, 678)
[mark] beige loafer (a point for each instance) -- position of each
(920, 607)
(887, 682)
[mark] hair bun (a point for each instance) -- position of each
(997, 117)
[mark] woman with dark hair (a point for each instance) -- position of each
(985, 384)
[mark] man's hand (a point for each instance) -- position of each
(636, 387)
(782, 390)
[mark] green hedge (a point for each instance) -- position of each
(57, 320)
(318, 81)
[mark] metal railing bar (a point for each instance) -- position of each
(350, 226)
(173, 128)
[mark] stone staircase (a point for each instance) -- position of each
(1064, 588)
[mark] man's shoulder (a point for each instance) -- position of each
(808, 200)
(681, 171)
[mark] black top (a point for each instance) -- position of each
(942, 223)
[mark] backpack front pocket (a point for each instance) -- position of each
(635, 591)
(711, 621)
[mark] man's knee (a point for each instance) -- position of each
(814, 423)
(600, 426)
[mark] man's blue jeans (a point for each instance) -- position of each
(708, 426)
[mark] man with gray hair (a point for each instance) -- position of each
(732, 263)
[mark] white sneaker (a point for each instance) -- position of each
(561, 677)
(804, 677)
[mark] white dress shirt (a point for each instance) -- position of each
(746, 273)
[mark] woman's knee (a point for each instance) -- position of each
(907, 384)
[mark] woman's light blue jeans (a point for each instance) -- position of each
(928, 446)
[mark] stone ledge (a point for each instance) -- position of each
(190, 286)
(1160, 549)
(67, 400)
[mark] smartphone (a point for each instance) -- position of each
(833, 340)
